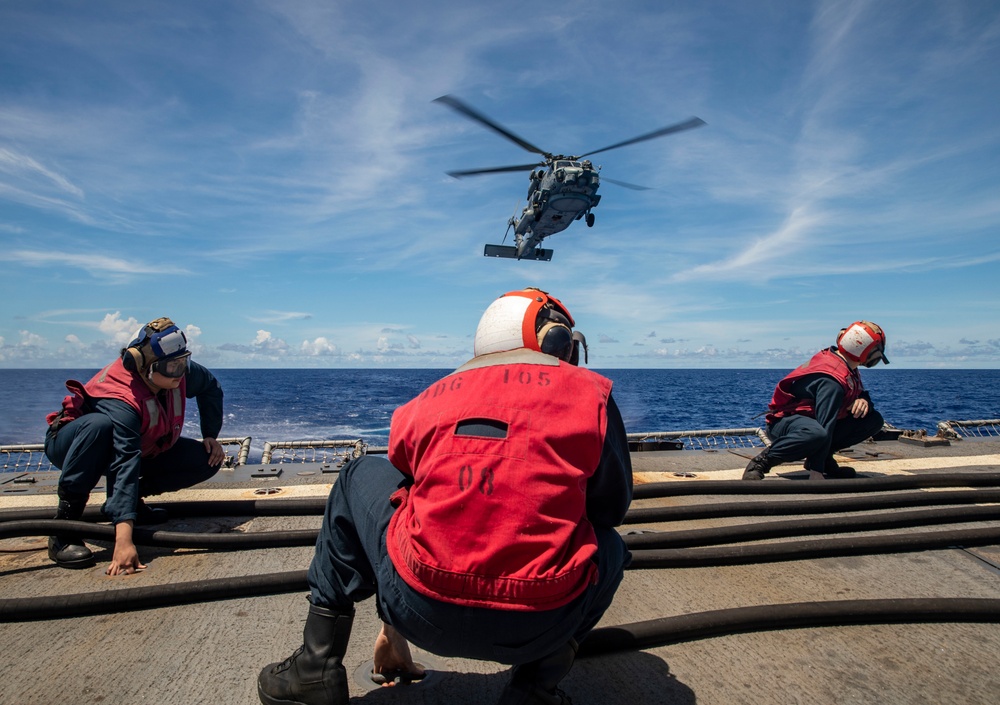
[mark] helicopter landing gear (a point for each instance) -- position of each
(590, 220)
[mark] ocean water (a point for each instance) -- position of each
(282, 405)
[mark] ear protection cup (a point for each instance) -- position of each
(528, 318)
(160, 338)
(554, 333)
(132, 359)
(556, 339)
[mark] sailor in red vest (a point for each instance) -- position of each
(489, 531)
(821, 407)
(125, 425)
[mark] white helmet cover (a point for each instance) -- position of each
(509, 322)
(863, 342)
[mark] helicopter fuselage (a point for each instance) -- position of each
(558, 195)
(563, 188)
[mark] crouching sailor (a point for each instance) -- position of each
(125, 425)
(489, 531)
(821, 407)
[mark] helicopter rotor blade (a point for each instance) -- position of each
(494, 170)
(679, 127)
(455, 104)
(634, 187)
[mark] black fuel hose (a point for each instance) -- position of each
(805, 527)
(679, 488)
(645, 515)
(31, 609)
(823, 548)
(741, 620)
(308, 506)
(168, 539)
(635, 515)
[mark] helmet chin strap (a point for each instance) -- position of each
(148, 379)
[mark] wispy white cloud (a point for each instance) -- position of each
(95, 264)
(21, 166)
(273, 317)
(754, 262)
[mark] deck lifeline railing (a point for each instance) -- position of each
(31, 457)
(988, 428)
(315, 451)
(24, 458)
(709, 439)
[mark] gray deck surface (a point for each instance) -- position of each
(212, 652)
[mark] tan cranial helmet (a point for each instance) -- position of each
(157, 343)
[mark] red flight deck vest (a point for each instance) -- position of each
(785, 403)
(499, 522)
(161, 424)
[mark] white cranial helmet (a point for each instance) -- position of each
(528, 318)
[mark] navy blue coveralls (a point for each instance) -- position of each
(351, 563)
(106, 442)
(797, 436)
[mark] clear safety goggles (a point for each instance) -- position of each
(174, 367)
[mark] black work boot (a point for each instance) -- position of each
(315, 673)
(70, 551)
(758, 467)
(832, 470)
(535, 683)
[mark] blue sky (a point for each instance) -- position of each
(271, 175)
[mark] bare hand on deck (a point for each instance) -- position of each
(216, 455)
(392, 657)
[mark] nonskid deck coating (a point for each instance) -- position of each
(212, 652)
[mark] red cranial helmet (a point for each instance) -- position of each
(863, 342)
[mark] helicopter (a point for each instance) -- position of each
(562, 188)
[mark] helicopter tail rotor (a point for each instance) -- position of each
(510, 224)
